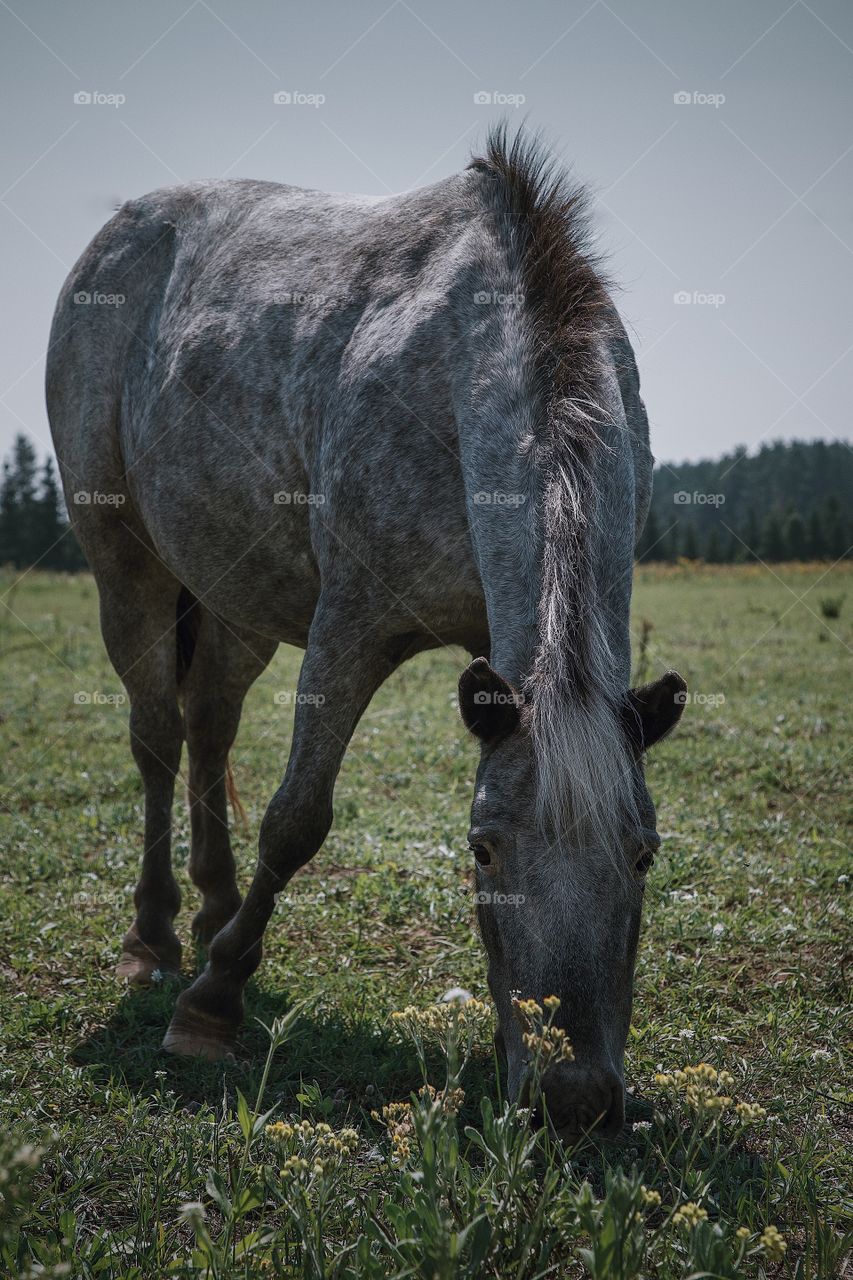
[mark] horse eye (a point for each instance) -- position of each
(645, 862)
(481, 853)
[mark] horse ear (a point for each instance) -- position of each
(650, 712)
(488, 703)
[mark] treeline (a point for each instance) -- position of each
(788, 502)
(34, 528)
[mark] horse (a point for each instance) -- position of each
(370, 427)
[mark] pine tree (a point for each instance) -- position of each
(796, 543)
(713, 553)
(815, 541)
(8, 527)
(751, 537)
(691, 549)
(33, 523)
(50, 524)
(19, 505)
(772, 542)
(836, 541)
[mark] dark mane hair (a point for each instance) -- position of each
(566, 290)
(542, 219)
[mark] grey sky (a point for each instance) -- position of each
(750, 198)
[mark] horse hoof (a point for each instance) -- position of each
(141, 965)
(193, 1034)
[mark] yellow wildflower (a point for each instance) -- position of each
(279, 1130)
(441, 1023)
(773, 1243)
(547, 1044)
(689, 1215)
(699, 1087)
(749, 1112)
(651, 1199)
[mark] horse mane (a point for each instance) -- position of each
(583, 764)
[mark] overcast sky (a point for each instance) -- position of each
(739, 198)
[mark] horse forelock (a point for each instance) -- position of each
(585, 788)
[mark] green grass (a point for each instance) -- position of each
(741, 965)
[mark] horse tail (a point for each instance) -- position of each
(233, 795)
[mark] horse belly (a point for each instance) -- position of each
(236, 536)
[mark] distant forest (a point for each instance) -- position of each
(787, 502)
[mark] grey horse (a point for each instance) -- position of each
(370, 427)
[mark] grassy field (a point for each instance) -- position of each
(118, 1161)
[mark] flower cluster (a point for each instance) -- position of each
(773, 1243)
(315, 1149)
(749, 1112)
(547, 1044)
(651, 1199)
(399, 1120)
(438, 1022)
(701, 1087)
(689, 1215)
